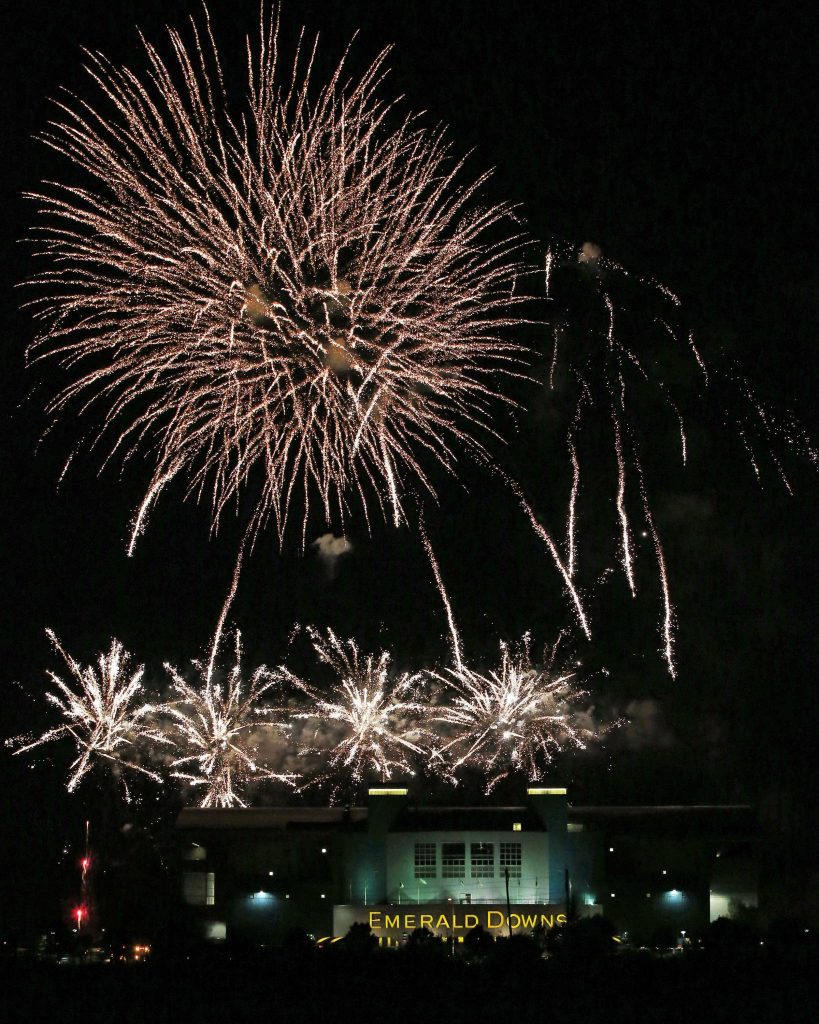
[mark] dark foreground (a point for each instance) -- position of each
(422, 985)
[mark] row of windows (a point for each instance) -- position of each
(453, 860)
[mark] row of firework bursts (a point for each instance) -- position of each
(222, 734)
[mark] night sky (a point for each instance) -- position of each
(683, 143)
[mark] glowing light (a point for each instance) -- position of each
(103, 715)
(217, 727)
(288, 293)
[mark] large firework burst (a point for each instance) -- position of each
(513, 719)
(298, 292)
(219, 727)
(104, 715)
(371, 717)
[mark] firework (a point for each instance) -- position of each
(513, 719)
(103, 714)
(371, 715)
(303, 296)
(455, 640)
(627, 350)
(218, 727)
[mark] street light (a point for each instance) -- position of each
(418, 887)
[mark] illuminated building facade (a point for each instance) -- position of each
(252, 874)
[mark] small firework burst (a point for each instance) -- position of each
(371, 717)
(218, 727)
(104, 715)
(512, 720)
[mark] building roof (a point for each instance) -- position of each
(703, 820)
(719, 820)
(283, 818)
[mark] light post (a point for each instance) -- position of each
(418, 888)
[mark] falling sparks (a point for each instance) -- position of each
(455, 639)
(103, 714)
(217, 727)
(512, 719)
(620, 359)
(371, 714)
(667, 628)
(302, 298)
(547, 539)
(625, 531)
(570, 517)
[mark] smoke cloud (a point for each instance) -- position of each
(645, 726)
(330, 549)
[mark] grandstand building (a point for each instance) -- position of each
(396, 864)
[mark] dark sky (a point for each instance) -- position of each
(679, 138)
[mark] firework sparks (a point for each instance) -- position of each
(571, 590)
(103, 714)
(302, 298)
(455, 640)
(616, 361)
(375, 713)
(217, 726)
(513, 719)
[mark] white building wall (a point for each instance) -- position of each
(531, 887)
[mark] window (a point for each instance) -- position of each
(510, 859)
(198, 888)
(483, 860)
(425, 863)
(453, 860)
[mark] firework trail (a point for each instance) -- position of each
(457, 656)
(82, 912)
(607, 368)
(297, 296)
(618, 355)
(513, 719)
(375, 712)
(571, 590)
(103, 714)
(217, 727)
